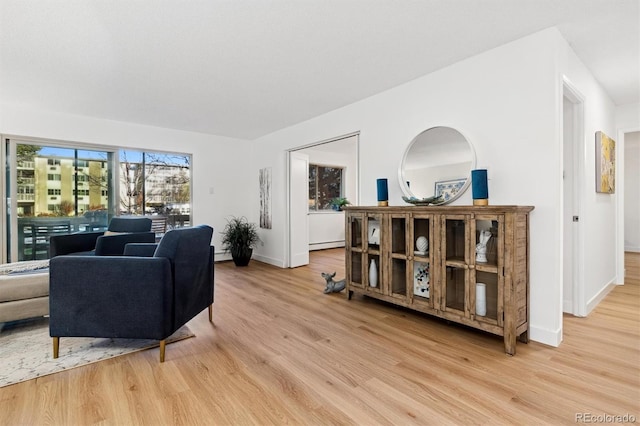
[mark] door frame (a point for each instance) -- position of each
(620, 185)
(571, 93)
(287, 230)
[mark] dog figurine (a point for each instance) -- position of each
(332, 286)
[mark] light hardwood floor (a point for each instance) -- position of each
(282, 352)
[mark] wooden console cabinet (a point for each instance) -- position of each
(442, 280)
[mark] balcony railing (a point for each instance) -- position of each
(34, 232)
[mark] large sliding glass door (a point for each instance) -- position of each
(57, 190)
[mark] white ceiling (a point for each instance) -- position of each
(245, 68)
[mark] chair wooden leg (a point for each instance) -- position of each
(163, 345)
(56, 346)
(211, 313)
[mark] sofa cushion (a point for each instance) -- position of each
(24, 286)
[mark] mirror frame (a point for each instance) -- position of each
(401, 177)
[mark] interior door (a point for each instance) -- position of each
(299, 209)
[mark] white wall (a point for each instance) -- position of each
(597, 210)
(632, 192)
(507, 102)
(220, 164)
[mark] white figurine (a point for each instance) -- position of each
(422, 244)
(481, 247)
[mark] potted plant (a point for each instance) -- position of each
(339, 202)
(240, 237)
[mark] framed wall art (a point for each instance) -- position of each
(448, 188)
(605, 164)
(265, 197)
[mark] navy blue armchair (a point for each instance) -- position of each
(138, 296)
(121, 231)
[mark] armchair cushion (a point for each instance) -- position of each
(129, 224)
(113, 245)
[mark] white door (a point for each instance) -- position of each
(299, 209)
(569, 190)
(573, 239)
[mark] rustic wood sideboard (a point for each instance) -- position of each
(465, 246)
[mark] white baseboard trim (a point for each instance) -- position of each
(223, 257)
(326, 245)
(271, 261)
(595, 300)
(546, 337)
(634, 249)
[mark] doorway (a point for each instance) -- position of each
(319, 229)
(573, 292)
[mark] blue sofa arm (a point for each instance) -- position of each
(117, 296)
(113, 245)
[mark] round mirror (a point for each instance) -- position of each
(437, 162)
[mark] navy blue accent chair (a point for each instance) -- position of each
(121, 231)
(147, 295)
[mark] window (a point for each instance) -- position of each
(155, 183)
(325, 184)
(78, 186)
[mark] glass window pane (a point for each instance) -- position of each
(153, 183)
(329, 186)
(57, 191)
(131, 182)
(168, 187)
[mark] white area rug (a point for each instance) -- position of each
(26, 350)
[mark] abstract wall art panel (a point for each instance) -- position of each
(605, 164)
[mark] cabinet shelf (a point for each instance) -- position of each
(487, 268)
(456, 263)
(448, 279)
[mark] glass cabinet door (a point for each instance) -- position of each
(421, 278)
(455, 264)
(399, 256)
(355, 238)
(374, 267)
(487, 295)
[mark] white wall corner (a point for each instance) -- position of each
(567, 306)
